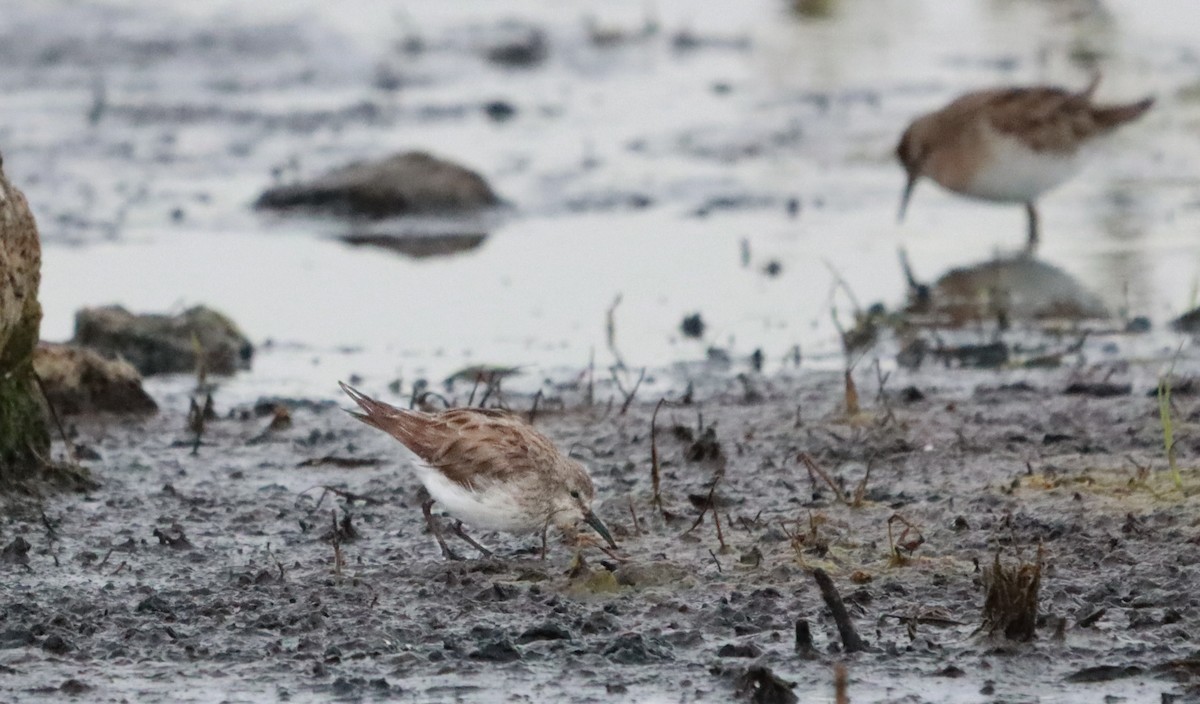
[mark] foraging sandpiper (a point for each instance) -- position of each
(1009, 145)
(489, 469)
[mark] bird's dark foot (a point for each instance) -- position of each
(462, 533)
(426, 508)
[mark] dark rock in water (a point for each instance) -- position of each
(761, 686)
(1138, 324)
(736, 650)
(402, 184)
(1100, 389)
(692, 326)
(500, 650)
(499, 110)
(523, 47)
(636, 649)
(603, 201)
(162, 344)
(16, 552)
(56, 644)
(1189, 322)
(546, 631)
(16, 638)
(419, 246)
(78, 380)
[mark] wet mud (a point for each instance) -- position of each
(294, 563)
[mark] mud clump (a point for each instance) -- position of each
(403, 184)
(78, 381)
(636, 649)
(164, 344)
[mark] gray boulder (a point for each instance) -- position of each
(78, 380)
(403, 184)
(162, 344)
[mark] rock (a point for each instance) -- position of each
(653, 574)
(499, 650)
(636, 649)
(161, 344)
(762, 686)
(16, 552)
(522, 46)
(739, 650)
(56, 644)
(402, 184)
(546, 631)
(692, 326)
(78, 380)
(24, 434)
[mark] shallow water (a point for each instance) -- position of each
(195, 107)
(118, 114)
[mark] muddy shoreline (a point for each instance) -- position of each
(213, 577)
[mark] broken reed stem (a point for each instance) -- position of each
(851, 642)
(492, 385)
(637, 528)
(70, 449)
(338, 560)
(629, 395)
(196, 421)
(1011, 601)
(804, 640)
(860, 491)
(278, 564)
(1168, 429)
(852, 407)
(610, 331)
(716, 561)
(815, 469)
(654, 467)
(474, 388)
(591, 384)
(708, 504)
(840, 695)
(533, 411)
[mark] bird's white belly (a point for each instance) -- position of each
(490, 509)
(1013, 172)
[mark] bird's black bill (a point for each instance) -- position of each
(908, 190)
(591, 520)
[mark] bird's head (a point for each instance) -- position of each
(913, 152)
(574, 504)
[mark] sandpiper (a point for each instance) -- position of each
(1009, 145)
(488, 468)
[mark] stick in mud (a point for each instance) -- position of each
(629, 396)
(851, 642)
(839, 684)
(804, 640)
(654, 469)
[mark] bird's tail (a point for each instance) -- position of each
(396, 422)
(1111, 116)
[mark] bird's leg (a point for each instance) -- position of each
(545, 530)
(1031, 245)
(437, 532)
(462, 533)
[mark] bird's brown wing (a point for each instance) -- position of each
(470, 446)
(1050, 119)
(476, 446)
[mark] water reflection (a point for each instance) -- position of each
(1009, 288)
(418, 246)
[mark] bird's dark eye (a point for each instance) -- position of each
(574, 494)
